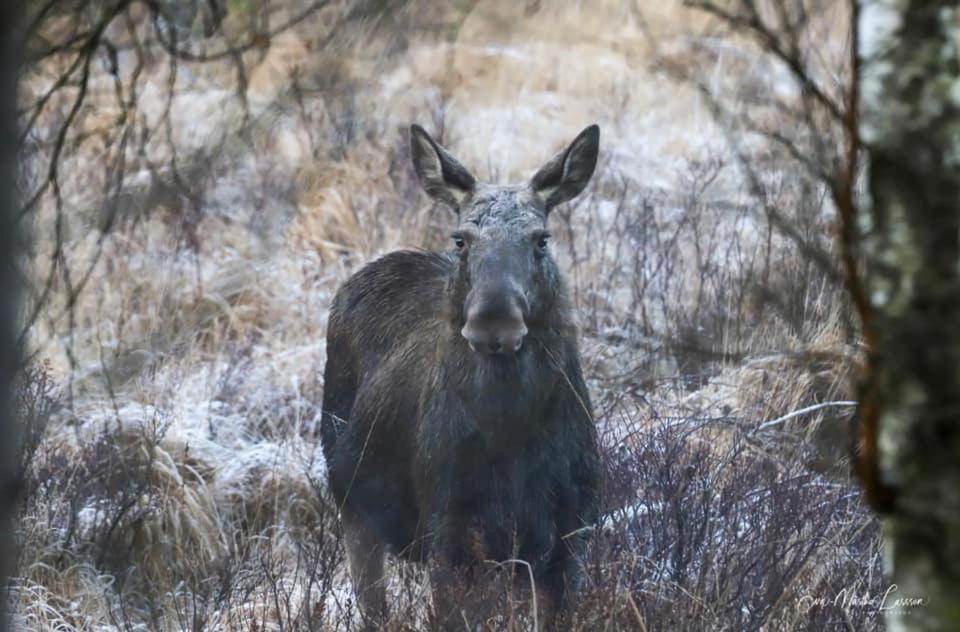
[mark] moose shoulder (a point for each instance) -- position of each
(456, 423)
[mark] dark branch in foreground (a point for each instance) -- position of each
(9, 433)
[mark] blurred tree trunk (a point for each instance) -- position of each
(8, 304)
(910, 122)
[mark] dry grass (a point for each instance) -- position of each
(177, 481)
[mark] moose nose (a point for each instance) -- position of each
(495, 324)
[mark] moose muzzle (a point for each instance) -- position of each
(495, 321)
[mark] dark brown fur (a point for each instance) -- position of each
(439, 453)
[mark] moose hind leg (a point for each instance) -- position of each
(365, 556)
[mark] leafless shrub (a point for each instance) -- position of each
(698, 279)
(697, 535)
(36, 400)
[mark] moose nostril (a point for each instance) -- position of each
(494, 342)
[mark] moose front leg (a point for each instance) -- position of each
(575, 520)
(365, 556)
(557, 583)
(455, 556)
(447, 586)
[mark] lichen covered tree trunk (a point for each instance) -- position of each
(910, 238)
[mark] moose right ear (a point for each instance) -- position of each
(441, 175)
(568, 173)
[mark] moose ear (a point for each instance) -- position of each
(441, 175)
(568, 173)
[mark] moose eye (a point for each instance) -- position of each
(459, 241)
(542, 241)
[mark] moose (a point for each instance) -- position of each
(456, 422)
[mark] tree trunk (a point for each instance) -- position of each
(8, 304)
(910, 235)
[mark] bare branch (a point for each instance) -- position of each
(766, 425)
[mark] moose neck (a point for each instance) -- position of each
(506, 397)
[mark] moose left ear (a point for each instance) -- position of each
(441, 175)
(568, 173)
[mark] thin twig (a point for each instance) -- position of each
(803, 411)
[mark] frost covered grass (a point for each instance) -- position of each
(174, 478)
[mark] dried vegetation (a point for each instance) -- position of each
(206, 204)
